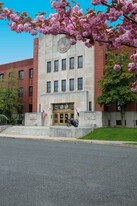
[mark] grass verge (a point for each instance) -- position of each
(114, 134)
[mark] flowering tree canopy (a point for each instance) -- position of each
(90, 27)
(114, 26)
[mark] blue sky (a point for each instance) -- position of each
(16, 47)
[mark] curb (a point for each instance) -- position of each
(70, 139)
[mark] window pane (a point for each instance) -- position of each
(30, 90)
(90, 106)
(48, 87)
(71, 63)
(63, 85)
(10, 74)
(20, 109)
(1, 76)
(48, 67)
(21, 74)
(80, 83)
(71, 84)
(30, 107)
(20, 92)
(63, 64)
(55, 65)
(30, 73)
(55, 86)
(80, 61)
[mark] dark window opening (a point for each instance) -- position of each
(30, 91)
(63, 64)
(80, 83)
(55, 86)
(21, 74)
(63, 85)
(48, 67)
(71, 63)
(90, 106)
(30, 107)
(55, 65)
(20, 109)
(71, 84)
(20, 92)
(31, 73)
(80, 61)
(1, 76)
(48, 87)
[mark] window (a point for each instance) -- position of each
(80, 61)
(71, 63)
(20, 109)
(63, 85)
(48, 67)
(30, 90)
(20, 92)
(118, 122)
(1, 76)
(55, 65)
(63, 64)
(48, 87)
(55, 86)
(30, 107)
(71, 84)
(90, 106)
(21, 74)
(31, 73)
(80, 83)
(10, 75)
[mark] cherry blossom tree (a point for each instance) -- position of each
(115, 25)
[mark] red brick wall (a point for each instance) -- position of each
(99, 71)
(25, 83)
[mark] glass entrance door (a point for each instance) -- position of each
(62, 112)
(60, 118)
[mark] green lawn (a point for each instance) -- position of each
(114, 134)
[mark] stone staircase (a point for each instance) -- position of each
(52, 131)
(26, 130)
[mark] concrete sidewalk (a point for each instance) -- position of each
(69, 139)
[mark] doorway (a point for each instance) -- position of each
(62, 112)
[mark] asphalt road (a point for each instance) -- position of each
(42, 173)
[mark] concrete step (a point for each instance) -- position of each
(24, 130)
(52, 131)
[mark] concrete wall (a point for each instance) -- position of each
(130, 117)
(90, 119)
(79, 99)
(33, 119)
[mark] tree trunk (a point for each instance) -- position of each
(122, 116)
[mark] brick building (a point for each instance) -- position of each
(62, 80)
(26, 73)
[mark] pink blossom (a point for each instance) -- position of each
(134, 87)
(1, 17)
(6, 11)
(132, 67)
(40, 18)
(13, 26)
(13, 17)
(117, 67)
(134, 57)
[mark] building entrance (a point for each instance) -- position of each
(62, 112)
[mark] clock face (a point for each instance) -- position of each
(63, 45)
